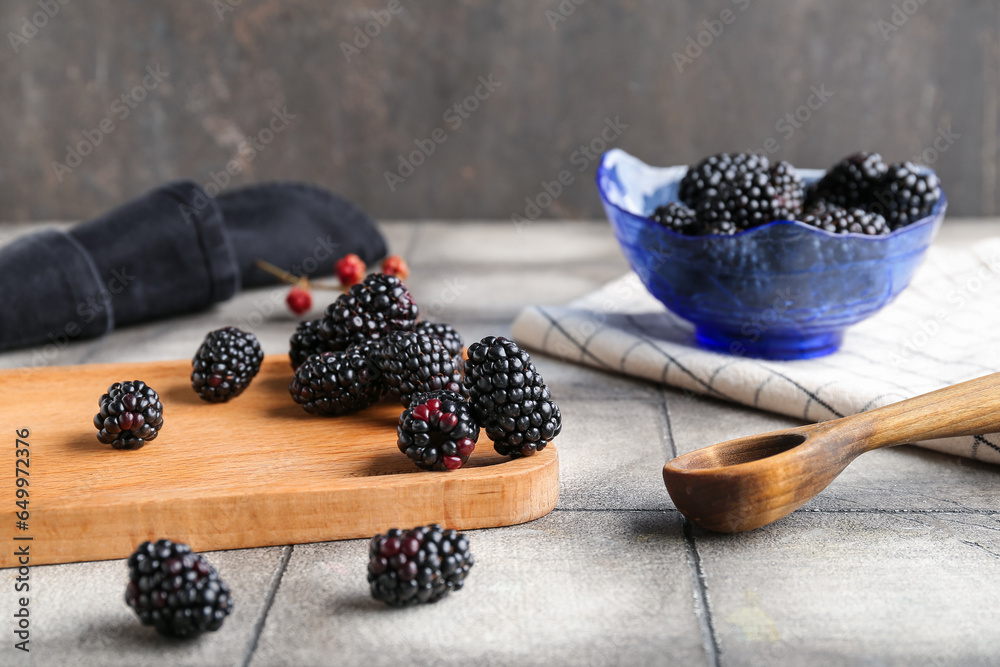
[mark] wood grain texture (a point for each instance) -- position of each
(256, 471)
(750, 482)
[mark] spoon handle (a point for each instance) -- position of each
(967, 408)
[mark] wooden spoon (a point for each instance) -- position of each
(749, 482)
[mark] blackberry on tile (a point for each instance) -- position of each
(445, 333)
(175, 590)
(417, 566)
(437, 431)
(336, 383)
(368, 311)
(675, 216)
(224, 365)
(509, 398)
(413, 363)
(306, 342)
(131, 415)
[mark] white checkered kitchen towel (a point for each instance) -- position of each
(942, 329)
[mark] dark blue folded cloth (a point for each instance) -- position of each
(173, 250)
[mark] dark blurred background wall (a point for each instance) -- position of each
(143, 92)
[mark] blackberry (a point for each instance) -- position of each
(176, 591)
(908, 193)
(414, 363)
(437, 431)
(224, 365)
(446, 334)
(704, 179)
(851, 182)
(718, 227)
(509, 399)
(306, 342)
(417, 566)
(336, 383)
(843, 221)
(789, 192)
(675, 216)
(748, 200)
(131, 415)
(368, 311)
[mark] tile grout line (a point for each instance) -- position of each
(702, 610)
(272, 591)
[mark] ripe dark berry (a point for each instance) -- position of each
(705, 178)
(747, 200)
(417, 566)
(844, 221)
(413, 363)
(445, 333)
(437, 431)
(225, 364)
(675, 216)
(851, 182)
(299, 300)
(907, 193)
(131, 415)
(368, 311)
(350, 270)
(176, 591)
(509, 399)
(336, 383)
(306, 342)
(789, 193)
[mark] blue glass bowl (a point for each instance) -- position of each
(783, 290)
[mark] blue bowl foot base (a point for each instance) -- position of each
(770, 345)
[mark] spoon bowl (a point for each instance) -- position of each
(750, 482)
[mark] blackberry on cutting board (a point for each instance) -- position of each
(509, 398)
(908, 193)
(224, 365)
(305, 342)
(413, 363)
(176, 591)
(843, 221)
(437, 431)
(131, 415)
(675, 216)
(336, 383)
(417, 566)
(704, 178)
(445, 333)
(851, 182)
(368, 311)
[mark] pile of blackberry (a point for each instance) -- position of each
(176, 591)
(224, 365)
(725, 194)
(417, 566)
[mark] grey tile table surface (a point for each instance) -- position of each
(896, 563)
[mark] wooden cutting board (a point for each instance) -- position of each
(257, 471)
